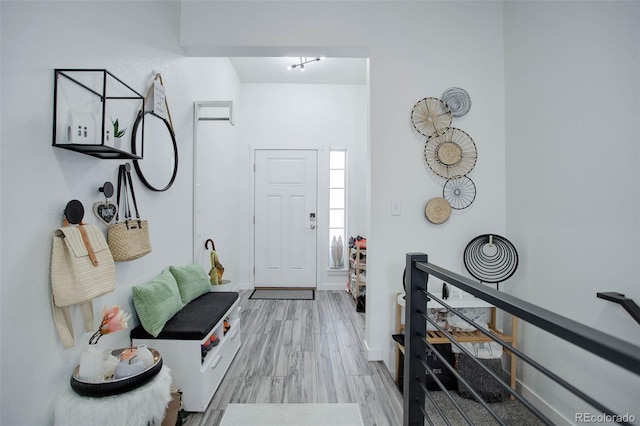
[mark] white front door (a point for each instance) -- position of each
(286, 185)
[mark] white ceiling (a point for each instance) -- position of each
(326, 71)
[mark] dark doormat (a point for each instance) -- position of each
(283, 294)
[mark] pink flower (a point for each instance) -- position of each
(113, 320)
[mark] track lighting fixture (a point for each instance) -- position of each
(302, 63)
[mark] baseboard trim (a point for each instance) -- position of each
(245, 286)
(331, 286)
(373, 354)
(551, 412)
(321, 287)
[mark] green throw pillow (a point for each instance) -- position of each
(157, 302)
(192, 281)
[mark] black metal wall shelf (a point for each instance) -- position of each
(99, 151)
(86, 103)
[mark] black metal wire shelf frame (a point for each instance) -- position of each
(95, 150)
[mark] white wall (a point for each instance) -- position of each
(37, 37)
(573, 193)
(217, 212)
(277, 116)
(413, 54)
(129, 39)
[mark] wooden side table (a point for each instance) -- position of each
(436, 337)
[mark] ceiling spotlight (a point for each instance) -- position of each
(303, 61)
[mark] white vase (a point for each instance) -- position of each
(145, 355)
(340, 252)
(91, 364)
(334, 251)
(110, 363)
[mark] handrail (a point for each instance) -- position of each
(617, 351)
(560, 381)
(416, 367)
(629, 305)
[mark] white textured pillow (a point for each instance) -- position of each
(479, 315)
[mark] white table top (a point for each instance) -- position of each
(462, 300)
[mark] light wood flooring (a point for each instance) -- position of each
(300, 351)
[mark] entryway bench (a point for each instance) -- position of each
(198, 372)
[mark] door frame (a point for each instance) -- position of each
(320, 224)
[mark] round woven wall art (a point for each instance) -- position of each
(451, 153)
(490, 258)
(438, 210)
(459, 191)
(458, 101)
(430, 116)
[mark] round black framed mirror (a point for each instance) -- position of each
(154, 140)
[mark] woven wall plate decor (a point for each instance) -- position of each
(458, 101)
(437, 210)
(430, 116)
(451, 153)
(459, 191)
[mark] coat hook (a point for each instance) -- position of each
(490, 240)
(206, 244)
(107, 189)
(74, 212)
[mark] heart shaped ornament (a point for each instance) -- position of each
(106, 212)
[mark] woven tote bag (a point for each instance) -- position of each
(128, 240)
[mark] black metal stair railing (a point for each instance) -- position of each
(416, 344)
(629, 305)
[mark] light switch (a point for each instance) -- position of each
(395, 208)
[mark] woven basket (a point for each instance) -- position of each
(129, 240)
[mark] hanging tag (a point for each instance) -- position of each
(159, 99)
(106, 211)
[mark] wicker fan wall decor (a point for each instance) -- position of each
(458, 101)
(460, 192)
(437, 210)
(451, 153)
(430, 116)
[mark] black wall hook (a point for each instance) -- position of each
(206, 244)
(74, 212)
(107, 189)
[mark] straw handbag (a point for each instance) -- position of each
(128, 240)
(82, 268)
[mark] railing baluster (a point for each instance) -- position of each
(415, 329)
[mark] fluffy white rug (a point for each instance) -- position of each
(292, 415)
(137, 407)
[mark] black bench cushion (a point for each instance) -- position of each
(195, 320)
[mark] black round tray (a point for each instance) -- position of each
(116, 386)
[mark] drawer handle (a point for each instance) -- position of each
(234, 334)
(216, 361)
